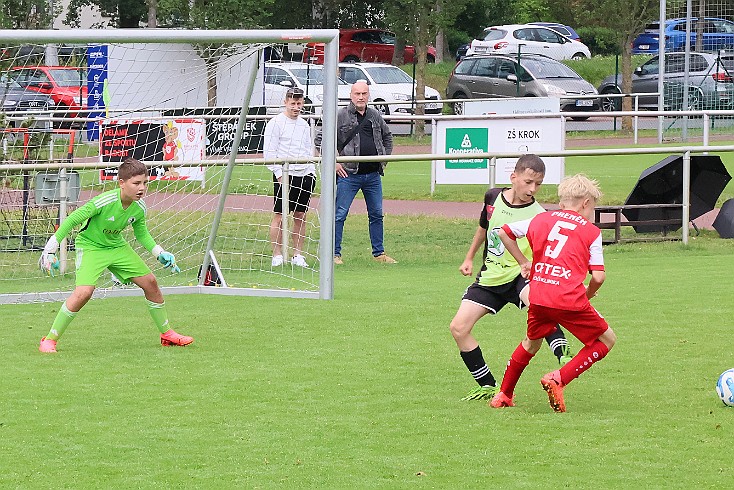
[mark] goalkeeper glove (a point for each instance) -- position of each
(48, 262)
(169, 261)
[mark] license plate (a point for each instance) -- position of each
(644, 46)
(585, 103)
(433, 105)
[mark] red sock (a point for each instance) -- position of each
(515, 366)
(583, 361)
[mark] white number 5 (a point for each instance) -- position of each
(555, 235)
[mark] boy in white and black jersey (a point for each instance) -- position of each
(499, 281)
(288, 135)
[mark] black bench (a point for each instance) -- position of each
(618, 220)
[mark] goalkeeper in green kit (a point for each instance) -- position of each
(100, 245)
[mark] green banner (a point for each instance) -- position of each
(465, 141)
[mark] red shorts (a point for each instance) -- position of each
(587, 325)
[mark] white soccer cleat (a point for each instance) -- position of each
(299, 261)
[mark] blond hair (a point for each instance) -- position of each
(578, 187)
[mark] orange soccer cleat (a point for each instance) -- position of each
(501, 400)
(47, 346)
(172, 338)
(552, 384)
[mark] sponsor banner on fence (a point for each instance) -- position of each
(173, 143)
(510, 135)
(220, 131)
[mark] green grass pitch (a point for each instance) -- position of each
(363, 391)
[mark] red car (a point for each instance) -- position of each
(365, 45)
(66, 85)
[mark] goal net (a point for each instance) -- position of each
(192, 106)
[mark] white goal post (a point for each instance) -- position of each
(164, 97)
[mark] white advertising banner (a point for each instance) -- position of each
(510, 135)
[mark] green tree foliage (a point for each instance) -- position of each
(25, 14)
(121, 13)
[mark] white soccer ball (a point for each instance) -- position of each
(725, 387)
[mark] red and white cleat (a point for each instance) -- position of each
(172, 338)
(47, 346)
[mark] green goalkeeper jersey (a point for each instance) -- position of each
(500, 266)
(103, 220)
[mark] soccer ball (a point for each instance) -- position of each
(725, 387)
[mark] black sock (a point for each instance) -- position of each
(478, 368)
(557, 343)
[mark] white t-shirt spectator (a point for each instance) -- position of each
(289, 138)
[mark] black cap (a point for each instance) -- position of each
(294, 93)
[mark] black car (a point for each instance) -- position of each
(14, 99)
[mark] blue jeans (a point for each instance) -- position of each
(371, 187)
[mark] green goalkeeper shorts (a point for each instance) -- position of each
(123, 262)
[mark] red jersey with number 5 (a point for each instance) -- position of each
(566, 247)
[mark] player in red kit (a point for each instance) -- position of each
(566, 247)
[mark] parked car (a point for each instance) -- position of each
(711, 82)
(718, 34)
(510, 39)
(461, 51)
(389, 84)
(485, 76)
(279, 77)
(66, 85)
(15, 101)
(562, 29)
(366, 45)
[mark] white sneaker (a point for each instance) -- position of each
(277, 261)
(299, 261)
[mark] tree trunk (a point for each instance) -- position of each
(152, 13)
(211, 82)
(700, 25)
(442, 48)
(398, 56)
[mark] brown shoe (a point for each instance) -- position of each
(338, 260)
(385, 259)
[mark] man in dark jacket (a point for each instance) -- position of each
(361, 131)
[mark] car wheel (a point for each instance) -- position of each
(458, 106)
(383, 108)
(351, 59)
(578, 56)
(430, 59)
(610, 104)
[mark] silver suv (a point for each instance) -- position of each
(710, 78)
(491, 76)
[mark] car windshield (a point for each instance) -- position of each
(652, 27)
(8, 83)
(389, 74)
(494, 34)
(311, 76)
(548, 69)
(69, 78)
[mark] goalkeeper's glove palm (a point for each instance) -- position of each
(48, 262)
(169, 261)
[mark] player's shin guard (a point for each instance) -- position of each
(515, 366)
(159, 315)
(583, 361)
(62, 320)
